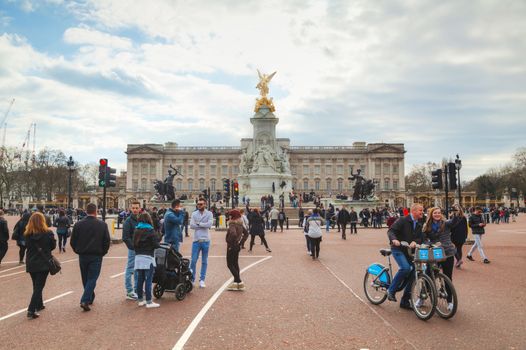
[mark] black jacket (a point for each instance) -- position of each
(37, 261)
(145, 241)
(459, 229)
(343, 216)
(4, 231)
(90, 236)
(62, 224)
(127, 231)
(257, 224)
(402, 230)
(474, 221)
(353, 216)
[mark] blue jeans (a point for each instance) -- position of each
(144, 278)
(175, 244)
(196, 248)
(404, 272)
(130, 270)
(327, 224)
(90, 266)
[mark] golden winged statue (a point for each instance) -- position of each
(264, 80)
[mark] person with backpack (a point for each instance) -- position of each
(305, 225)
(62, 224)
(18, 235)
(315, 223)
(281, 219)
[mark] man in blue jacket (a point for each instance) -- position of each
(173, 224)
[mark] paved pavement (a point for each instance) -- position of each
(291, 302)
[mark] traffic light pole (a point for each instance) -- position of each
(104, 203)
(232, 194)
(446, 188)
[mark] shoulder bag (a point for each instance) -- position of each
(52, 262)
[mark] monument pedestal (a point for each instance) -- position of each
(260, 184)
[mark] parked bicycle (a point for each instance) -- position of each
(378, 278)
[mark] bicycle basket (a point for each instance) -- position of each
(422, 254)
(375, 269)
(439, 254)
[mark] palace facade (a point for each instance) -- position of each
(322, 169)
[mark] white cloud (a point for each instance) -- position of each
(87, 36)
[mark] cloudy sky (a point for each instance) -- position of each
(442, 77)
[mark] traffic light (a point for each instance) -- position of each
(103, 167)
(111, 178)
(226, 185)
(452, 176)
(436, 179)
(236, 188)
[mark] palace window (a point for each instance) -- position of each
(351, 168)
(305, 170)
(190, 171)
(377, 169)
(395, 169)
(395, 184)
(201, 170)
(213, 185)
(317, 185)
(328, 184)
(386, 184)
(339, 169)
(306, 185)
(135, 185)
(201, 184)
(213, 170)
(340, 185)
(190, 185)
(143, 184)
(386, 168)
(224, 170)
(153, 169)
(328, 170)
(317, 169)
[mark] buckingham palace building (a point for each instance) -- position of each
(322, 169)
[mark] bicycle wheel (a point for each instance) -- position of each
(423, 297)
(374, 291)
(445, 290)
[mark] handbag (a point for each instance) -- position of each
(52, 263)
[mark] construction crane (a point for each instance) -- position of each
(27, 140)
(4, 124)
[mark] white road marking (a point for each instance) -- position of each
(25, 310)
(195, 322)
(19, 272)
(117, 275)
(10, 262)
(12, 268)
(387, 323)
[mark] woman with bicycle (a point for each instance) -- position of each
(437, 229)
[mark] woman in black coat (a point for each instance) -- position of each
(40, 241)
(257, 227)
(62, 224)
(18, 235)
(459, 232)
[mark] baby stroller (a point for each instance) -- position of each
(172, 273)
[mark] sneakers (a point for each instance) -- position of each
(141, 302)
(470, 257)
(268, 250)
(152, 305)
(241, 286)
(486, 261)
(308, 252)
(131, 296)
(32, 315)
(419, 302)
(391, 297)
(202, 284)
(233, 286)
(85, 307)
(450, 307)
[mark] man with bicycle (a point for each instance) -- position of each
(408, 229)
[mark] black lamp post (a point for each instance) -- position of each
(458, 166)
(71, 168)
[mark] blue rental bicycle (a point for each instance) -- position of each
(378, 278)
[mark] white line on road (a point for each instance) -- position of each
(387, 323)
(117, 275)
(12, 268)
(188, 332)
(23, 310)
(19, 272)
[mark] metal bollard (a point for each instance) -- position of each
(287, 220)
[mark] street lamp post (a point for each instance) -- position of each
(70, 165)
(458, 166)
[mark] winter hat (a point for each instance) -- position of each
(234, 214)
